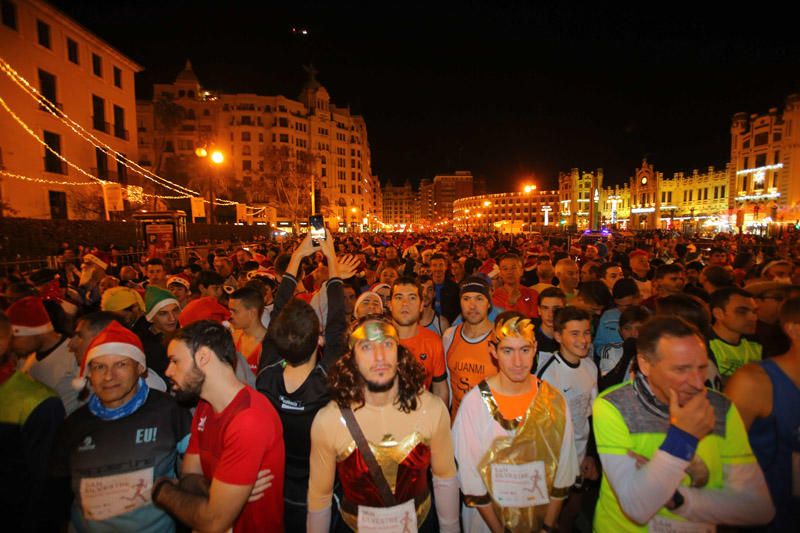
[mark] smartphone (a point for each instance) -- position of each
(317, 225)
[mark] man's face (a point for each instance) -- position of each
(89, 274)
(515, 357)
(640, 264)
(612, 275)
(547, 310)
(769, 306)
(187, 378)
(377, 363)
(591, 253)
(391, 253)
(80, 340)
(349, 300)
(510, 271)
(692, 276)
(718, 259)
(474, 307)
(544, 270)
(405, 305)
(388, 276)
(243, 256)
(114, 379)
(428, 293)
(575, 338)
(369, 306)
(586, 272)
(223, 266)
(680, 363)
(242, 317)
(481, 252)
(628, 301)
(740, 315)
(215, 291)
(438, 270)
(630, 330)
(567, 277)
(672, 283)
(156, 274)
(181, 292)
(424, 270)
(780, 271)
(457, 269)
(166, 320)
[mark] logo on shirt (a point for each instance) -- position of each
(201, 425)
(146, 435)
(423, 356)
(86, 445)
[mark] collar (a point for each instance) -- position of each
(104, 413)
(44, 353)
(648, 399)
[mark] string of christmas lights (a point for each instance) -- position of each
(87, 136)
(49, 182)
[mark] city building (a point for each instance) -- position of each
(399, 205)
(579, 198)
(765, 156)
(447, 188)
(92, 83)
(276, 150)
(510, 212)
(424, 210)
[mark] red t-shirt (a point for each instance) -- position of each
(427, 348)
(525, 304)
(234, 445)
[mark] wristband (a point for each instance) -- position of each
(549, 529)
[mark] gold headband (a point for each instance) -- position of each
(373, 330)
(515, 327)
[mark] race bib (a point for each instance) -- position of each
(522, 485)
(109, 496)
(661, 524)
(397, 519)
(796, 474)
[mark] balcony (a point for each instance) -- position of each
(46, 109)
(100, 124)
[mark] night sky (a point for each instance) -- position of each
(508, 90)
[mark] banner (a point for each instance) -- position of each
(112, 196)
(198, 208)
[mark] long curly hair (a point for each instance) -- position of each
(347, 385)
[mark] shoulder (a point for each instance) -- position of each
(328, 414)
(432, 404)
(750, 378)
(619, 394)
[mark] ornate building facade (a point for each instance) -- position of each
(509, 212)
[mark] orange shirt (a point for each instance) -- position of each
(253, 357)
(427, 348)
(469, 363)
(512, 407)
(525, 304)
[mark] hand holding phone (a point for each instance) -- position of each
(317, 225)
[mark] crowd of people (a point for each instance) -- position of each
(407, 382)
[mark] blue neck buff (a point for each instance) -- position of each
(102, 412)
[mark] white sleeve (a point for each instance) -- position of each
(469, 445)
(568, 468)
(447, 339)
(644, 491)
(745, 500)
(447, 503)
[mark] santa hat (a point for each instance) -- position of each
(28, 317)
(115, 339)
(98, 258)
(155, 298)
(180, 279)
(205, 308)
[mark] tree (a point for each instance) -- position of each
(287, 182)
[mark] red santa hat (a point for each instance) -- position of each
(28, 317)
(205, 308)
(115, 339)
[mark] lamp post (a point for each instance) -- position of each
(529, 192)
(217, 158)
(487, 204)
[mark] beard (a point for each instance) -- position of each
(373, 386)
(189, 392)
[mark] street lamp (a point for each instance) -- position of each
(528, 190)
(217, 157)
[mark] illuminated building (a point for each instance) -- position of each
(92, 83)
(509, 212)
(447, 188)
(264, 136)
(579, 198)
(399, 204)
(424, 210)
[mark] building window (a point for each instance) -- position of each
(722, 191)
(775, 179)
(744, 183)
(776, 157)
(117, 77)
(122, 170)
(97, 65)
(72, 51)
(8, 11)
(99, 114)
(761, 160)
(102, 163)
(669, 197)
(760, 139)
(247, 164)
(246, 149)
(776, 136)
(690, 195)
(47, 85)
(52, 163)
(58, 205)
(716, 193)
(284, 138)
(745, 163)
(43, 33)
(245, 136)
(119, 123)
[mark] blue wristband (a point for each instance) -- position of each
(680, 444)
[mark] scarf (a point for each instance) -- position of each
(102, 412)
(649, 399)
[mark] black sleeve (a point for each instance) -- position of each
(336, 326)
(284, 293)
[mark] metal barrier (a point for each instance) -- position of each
(26, 265)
